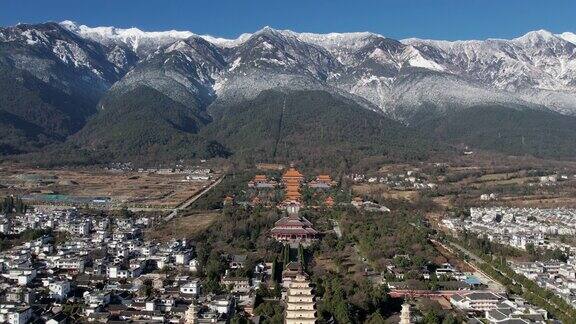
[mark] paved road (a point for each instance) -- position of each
(432, 293)
(492, 284)
(477, 259)
(467, 252)
(192, 199)
(473, 256)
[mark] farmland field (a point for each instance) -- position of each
(111, 188)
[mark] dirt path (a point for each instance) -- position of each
(192, 199)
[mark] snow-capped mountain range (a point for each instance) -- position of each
(397, 77)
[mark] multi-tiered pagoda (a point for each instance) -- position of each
(292, 179)
(300, 304)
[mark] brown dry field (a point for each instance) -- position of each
(396, 168)
(366, 188)
(383, 191)
(495, 176)
(518, 181)
(561, 195)
(409, 195)
(491, 159)
(131, 189)
(182, 227)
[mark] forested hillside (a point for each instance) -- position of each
(312, 126)
(539, 133)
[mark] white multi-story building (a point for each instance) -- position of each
(193, 265)
(182, 258)
(96, 299)
(118, 272)
(190, 288)
(59, 290)
(16, 315)
(73, 264)
(222, 305)
(22, 276)
(80, 228)
(476, 301)
(5, 225)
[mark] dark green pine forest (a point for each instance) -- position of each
(315, 128)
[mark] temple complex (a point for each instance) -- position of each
(293, 228)
(300, 304)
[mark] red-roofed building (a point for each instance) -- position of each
(294, 229)
(292, 176)
(322, 181)
(260, 181)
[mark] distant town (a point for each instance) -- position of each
(277, 245)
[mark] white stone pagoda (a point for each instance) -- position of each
(190, 316)
(405, 314)
(300, 304)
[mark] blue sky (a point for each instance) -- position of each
(439, 19)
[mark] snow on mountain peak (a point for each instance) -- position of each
(131, 37)
(113, 32)
(533, 67)
(536, 36)
(227, 42)
(529, 37)
(568, 36)
(338, 40)
(414, 58)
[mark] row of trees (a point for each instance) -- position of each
(7, 241)
(12, 204)
(233, 184)
(496, 266)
